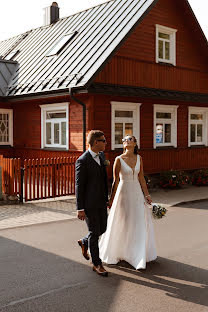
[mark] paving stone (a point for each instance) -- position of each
(57, 209)
(35, 213)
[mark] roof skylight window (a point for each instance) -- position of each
(11, 55)
(61, 43)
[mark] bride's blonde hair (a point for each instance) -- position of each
(136, 148)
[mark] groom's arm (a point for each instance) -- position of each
(80, 184)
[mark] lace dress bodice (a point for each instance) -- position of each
(127, 174)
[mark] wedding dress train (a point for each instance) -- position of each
(130, 233)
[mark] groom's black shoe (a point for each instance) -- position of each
(99, 269)
(84, 250)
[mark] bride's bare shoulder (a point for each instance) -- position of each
(117, 165)
(122, 156)
(117, 160)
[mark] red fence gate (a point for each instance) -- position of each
(49, 177)
(38, 178)
(11, 176)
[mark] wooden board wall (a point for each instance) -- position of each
(134, 63)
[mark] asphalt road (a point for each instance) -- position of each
(42, 270)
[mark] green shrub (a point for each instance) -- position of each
(200, 177)
(173, 179)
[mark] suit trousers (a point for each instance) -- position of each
(97, 226)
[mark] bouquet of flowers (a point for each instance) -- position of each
(158, 211)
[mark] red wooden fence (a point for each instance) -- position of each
(11, 175)
(49, 177)
(39, 178)
(54, 177)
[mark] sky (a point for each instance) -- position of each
(19, 16)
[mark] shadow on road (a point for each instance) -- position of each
(178, 280)
(35, 280)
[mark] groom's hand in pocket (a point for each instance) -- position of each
(81, 215)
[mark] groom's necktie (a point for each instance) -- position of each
(97, 158)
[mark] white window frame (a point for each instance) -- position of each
(204, 122)
(10, 113)
(54, 107)
(125, 106)
(172, 33)
(158, 108)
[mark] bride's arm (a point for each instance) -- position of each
(116, 170)
(143, 183)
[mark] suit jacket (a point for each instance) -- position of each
(91, 185)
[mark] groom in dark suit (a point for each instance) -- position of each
(92, 196)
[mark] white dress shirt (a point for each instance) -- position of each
(94, 156)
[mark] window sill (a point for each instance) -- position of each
(165, 147)
(197, 146)
(54, 149)
(166, 64)
(6, 146)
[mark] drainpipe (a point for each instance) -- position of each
(84, 117)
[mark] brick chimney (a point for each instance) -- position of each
(51, 14)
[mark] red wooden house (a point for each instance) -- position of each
(126, 67)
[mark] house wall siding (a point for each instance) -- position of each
(134, 62)
(27, 127)
(5, 105)
(103, 118)
(155, 160)
(27, 124)
(99, 112)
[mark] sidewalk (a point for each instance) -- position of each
(57, 209)
(176, 197)
(37, 212)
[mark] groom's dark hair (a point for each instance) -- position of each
(93, 136)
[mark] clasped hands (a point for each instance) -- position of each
(81, 213)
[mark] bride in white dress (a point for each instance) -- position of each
(130, 233)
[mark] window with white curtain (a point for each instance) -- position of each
(165, 44)
(198, 119)
(54, 126)
(125, 120)
(165, 125)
